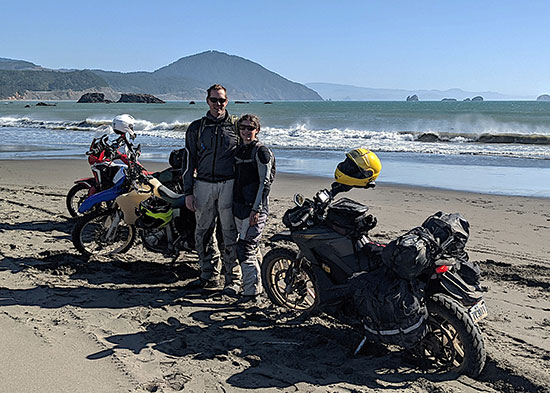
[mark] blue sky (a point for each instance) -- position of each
(473, 45)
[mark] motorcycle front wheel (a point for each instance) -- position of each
(91, 235)
(454, 342)
(76, 195)
(288, 282)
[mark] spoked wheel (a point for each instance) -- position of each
(453, 342)
(288, 282)
(103, 233)
(76, 195)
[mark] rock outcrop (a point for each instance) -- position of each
(44, 104)
(543, 97)
(140, 98)
(93, 98)
(448, 100)
(477, 98)
(414, 97)
(429, 137)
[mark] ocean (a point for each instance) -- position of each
(498, 147)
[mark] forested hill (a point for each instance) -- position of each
(18, 65)
(17, 82)
(187, 78)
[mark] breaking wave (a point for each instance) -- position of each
(87, 125)
(303, 137)
(509, 145)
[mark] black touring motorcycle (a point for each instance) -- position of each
(419, 291)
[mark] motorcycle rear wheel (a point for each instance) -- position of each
(453, 342)
(89, 232)
(288, 285)
(76, 195)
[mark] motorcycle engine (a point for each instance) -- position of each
(154, 239)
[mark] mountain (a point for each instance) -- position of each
(186, 78)
(243, 78)
(189, 77)
(338, 92)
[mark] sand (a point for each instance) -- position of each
(125, 324)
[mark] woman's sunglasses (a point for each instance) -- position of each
(248, 128)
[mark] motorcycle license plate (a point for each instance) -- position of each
(478, 311)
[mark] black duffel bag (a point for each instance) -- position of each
(411, 254)
(391, 308)
(450, 230)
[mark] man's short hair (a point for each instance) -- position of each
(216, 87)
(253, 119)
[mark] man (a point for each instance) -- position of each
(210, 143)
(254, 173)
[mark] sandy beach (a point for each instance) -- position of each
(125, 324)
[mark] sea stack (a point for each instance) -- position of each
(92, 98)
(140, 98)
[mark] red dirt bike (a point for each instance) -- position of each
(105, 160)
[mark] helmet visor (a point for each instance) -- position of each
(350, 168)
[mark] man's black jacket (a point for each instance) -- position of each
(213, 156)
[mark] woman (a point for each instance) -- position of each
(254, 173)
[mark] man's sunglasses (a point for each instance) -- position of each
(248, 128)
(213, 100)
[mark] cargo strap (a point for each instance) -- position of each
(393, 332)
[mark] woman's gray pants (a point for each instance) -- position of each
(247, 253)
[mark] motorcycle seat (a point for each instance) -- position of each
(173, 198)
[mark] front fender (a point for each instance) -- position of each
(284, 236)
(103, 196)
(88, 181)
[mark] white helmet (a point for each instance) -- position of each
(124, 124)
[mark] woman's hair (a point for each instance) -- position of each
(253, 119)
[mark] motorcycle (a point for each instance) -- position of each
(142, 205)
(105, 161)
(316, 266)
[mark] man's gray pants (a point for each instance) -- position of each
(247, 253)
(216, 200)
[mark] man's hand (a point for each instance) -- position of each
(253, 219)
(190, 203)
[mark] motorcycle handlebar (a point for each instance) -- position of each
(323, 198)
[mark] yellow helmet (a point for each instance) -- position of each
(360, 167)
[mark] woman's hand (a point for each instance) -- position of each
(253, 219)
